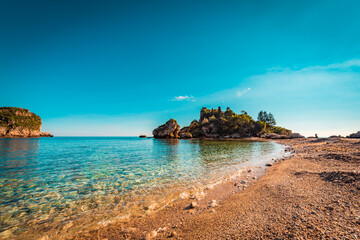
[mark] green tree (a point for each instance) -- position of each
(261, 116)
(271, 120)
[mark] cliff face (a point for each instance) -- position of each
(20, 122)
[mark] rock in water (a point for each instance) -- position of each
(185, 133)
(20, 122)
(169, 130)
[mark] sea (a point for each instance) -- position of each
(50, 185)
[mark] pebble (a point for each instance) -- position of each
(193, 205)
(6, 233)
(173, 234)
(243, 182)
(162, 229)
(131, 229)
(151, 235)
(213, 203)
(44, 238)
(268, 165)
(68, 225)
(152, 206)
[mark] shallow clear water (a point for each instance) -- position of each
(51, 180)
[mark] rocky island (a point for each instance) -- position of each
(215, 123)
(20, 122)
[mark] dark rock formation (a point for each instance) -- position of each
(336, 136)
(281, 136)
(215, 123)
(20, 122)
(185, 133)
(142, 136)
(354, 135)
(169, 130)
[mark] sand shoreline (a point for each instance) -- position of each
(311, 195)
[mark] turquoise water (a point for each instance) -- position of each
(47, 181)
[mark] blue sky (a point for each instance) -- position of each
(122, 68)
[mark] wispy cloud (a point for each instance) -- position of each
(347, 65)
(184, 98)
(240, 93)
(354, 63)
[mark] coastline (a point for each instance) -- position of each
(172, 211)
(51, 226)
(312, 194)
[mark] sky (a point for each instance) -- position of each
(122, 68)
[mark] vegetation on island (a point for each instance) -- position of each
(217, 123)
(12, 117)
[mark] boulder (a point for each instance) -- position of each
(46, 134)
(282, 136)
(169, 130)
(185, 133)
(296, 135)
(142, 136)
(272, 136)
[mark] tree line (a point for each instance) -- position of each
(268, 118)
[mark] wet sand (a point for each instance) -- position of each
(314, 194)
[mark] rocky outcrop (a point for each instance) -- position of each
(281, 136)
(46, 134)
(169, 130)
(354, 135)
(185, 133)
(20, 122)
(215, 123)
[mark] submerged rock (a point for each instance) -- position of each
(169, 130)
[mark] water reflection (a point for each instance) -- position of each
(62, 178)
(17, 153)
